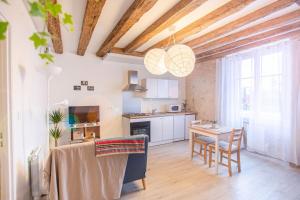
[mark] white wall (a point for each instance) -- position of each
(109, 78)
(29, 95)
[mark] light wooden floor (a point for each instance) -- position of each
(172, 175)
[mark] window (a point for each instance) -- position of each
(246, 86)
(270, 82)
(264, 80)
(255, 91)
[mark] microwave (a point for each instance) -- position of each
(174, 108)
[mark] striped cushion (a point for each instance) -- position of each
(116, 146)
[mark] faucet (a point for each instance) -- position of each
(154, 111)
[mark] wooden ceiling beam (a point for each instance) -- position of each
(294, 33)
(131, 16)
(92, 13)
(181, 9)
(260, 36)
(260, 13)
(273, 23)
(53, 26)
(229, 8)
(123, 52)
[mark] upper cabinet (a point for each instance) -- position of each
(173, 89)
(161, 88)
(151, 85)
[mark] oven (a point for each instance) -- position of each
(137, 128)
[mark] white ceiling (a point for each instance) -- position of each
(114, 9)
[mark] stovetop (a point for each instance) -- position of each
(137, 114)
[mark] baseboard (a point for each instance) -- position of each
(294, 165)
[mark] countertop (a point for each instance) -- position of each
(160, 114)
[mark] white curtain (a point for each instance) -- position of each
(259, 90)
(295, 102)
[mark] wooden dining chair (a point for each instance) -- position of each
(203, 141)
(228, 149)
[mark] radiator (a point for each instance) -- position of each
(35, 175)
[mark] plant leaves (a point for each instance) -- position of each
(44, 34)
(47, 56)
(3, 29)
(56, 116)
(38, 41)
(55, 132)
(37, 9)
(4, 1)
(68, 20)
(53, 8)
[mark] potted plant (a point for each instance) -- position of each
(56, 117)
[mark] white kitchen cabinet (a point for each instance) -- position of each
(179, 127)
(164, 129)
(168, 128)
(161, 129)
(162, 88)
(156, 130)
(173, 88)
(188, 121)
(151, 85)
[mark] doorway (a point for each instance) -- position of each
(5, 136)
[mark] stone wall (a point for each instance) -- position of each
(201, 90)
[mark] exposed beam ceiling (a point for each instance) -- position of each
(53, 26)
(92, 12)
(267, 34)
(294, 33)
(132, 15)
(260, 13)
(181, 9)
(229, 8)
(121, 51)
(249, 31)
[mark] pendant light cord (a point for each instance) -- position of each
(171, 37)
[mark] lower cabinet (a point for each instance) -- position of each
(161, 129)
(179, 127)
(169, 128)
(156, 130)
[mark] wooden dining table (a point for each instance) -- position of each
(217, 132)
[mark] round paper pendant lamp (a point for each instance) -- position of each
(155, 61)
(180, 60)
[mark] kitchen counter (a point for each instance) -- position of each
(159, 114)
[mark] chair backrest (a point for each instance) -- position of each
(137, 164)
(235, 138)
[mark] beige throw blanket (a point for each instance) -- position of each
(75, 173)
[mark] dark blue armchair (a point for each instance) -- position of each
(137, 165)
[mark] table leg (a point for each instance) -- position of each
(217, 154)
(191, 144)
